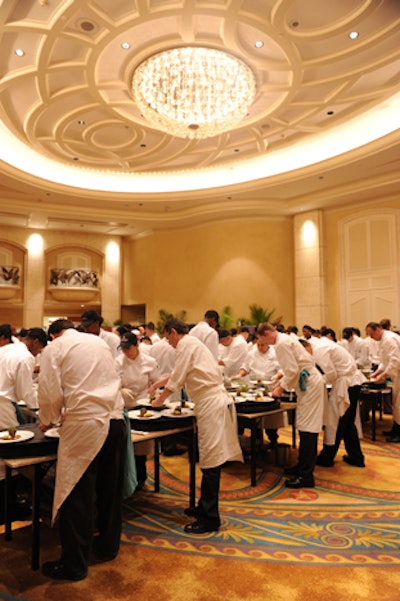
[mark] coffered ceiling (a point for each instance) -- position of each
(76, 153)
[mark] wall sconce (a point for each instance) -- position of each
(112, 253)
(309, 234)
(35, 245)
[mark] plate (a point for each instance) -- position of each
(173, 404)
(22, 436)
(170, 413)
(52, 433)
(135, 414)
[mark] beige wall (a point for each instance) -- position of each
(32, 308)
(209, 267)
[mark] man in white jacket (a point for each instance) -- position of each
(80, 388)
(215, 415)
(301, 375)
(341, 373)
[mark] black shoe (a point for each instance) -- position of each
(292, 471)
(192, 512)
(56, 570)
(199, 528)
(300, 482)
(324, 462)
(354, 462)
(99, 552)
(395, 438)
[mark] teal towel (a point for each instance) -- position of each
(130, 479)
(20, 417)
(304, 374)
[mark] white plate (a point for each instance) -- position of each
(145, 401)
(52, 433)
(135, 414)
(170, 413)
(22, 435)
(173, 404)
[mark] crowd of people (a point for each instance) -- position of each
(86, 384)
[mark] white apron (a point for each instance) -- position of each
(79, 444)
(217, 430)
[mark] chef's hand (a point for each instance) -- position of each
(277, 391)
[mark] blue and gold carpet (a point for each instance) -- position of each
(350, 519)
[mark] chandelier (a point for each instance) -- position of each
(193, 92)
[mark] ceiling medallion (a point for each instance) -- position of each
(193, 92)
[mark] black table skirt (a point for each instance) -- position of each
(35, 447)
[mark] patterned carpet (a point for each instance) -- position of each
(350, 519)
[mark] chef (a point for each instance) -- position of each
(79, 385)
(341, 373)
(301, 375)
(196, 368)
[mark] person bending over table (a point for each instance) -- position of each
(301, 375)
(196, 368)
(79, 384)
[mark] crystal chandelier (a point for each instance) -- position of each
(193, 92)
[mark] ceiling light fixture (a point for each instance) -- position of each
(19, 52)
(193, 92)
(353, 35)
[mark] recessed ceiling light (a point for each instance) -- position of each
(81, 122)
(19, 52)
(353, 35)
(125, 45)
(259, 44)
(87, 26)
(330, 113)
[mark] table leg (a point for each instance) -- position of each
(192, 468)
(294, 428)
(8, 503)
(253, 443)
(156, 466)
(373, 416)
(36, 517)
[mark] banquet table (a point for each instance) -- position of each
(253, 421)
(164, 426)
(35, 452)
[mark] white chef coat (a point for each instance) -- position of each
(213, 407)
(233, 356)
(155, 338)
(389, 354)
(261, 366)
(293, 359)
(137, 375)
(359, 350)
(341, 372)
(78, 376)
(113, 341)
(16, 384)
(164, 354)
(208, 336)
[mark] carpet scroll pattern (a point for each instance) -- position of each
(351, 518)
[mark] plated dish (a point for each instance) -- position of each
(52, 433)
(148, 414)
(20, 436)
(172, 413)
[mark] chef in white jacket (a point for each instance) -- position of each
(79, 386)
(215, 414)
(389, 367)
(301, 375)
(341, 373)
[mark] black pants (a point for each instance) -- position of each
(347, 432)
(208, 504)
(308, 449)
(95, 502)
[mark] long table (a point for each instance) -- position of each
(41, 450)
(252, 421)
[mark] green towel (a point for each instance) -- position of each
(20, 417)
(304, 374)
(130, 479)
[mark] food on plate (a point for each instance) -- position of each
(144, 413)
(177, 410)
(11, 434)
